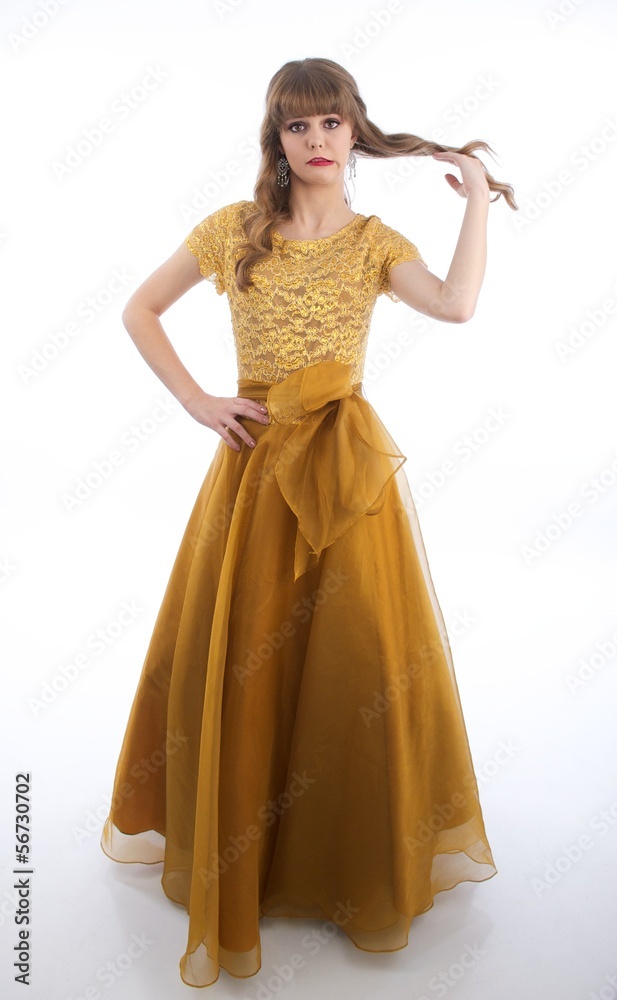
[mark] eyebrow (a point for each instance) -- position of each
(295, 118)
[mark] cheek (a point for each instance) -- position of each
(343, 138)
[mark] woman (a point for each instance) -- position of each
(296, 745)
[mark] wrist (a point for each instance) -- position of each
(480, 194)
(191, 398)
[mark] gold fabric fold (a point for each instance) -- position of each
(337, 457)
(297, 747)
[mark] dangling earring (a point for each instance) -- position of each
(351, 163)
(282, 172)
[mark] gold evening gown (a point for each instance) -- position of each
(297, 712)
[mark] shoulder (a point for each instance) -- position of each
(390, 242)
(380, 231)
(238, 209)
(225, 216)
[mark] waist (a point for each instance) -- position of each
(255, 389)
(303, 392)
(258, 391)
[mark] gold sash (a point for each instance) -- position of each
(337, 455)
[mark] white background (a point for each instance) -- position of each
(540, 88)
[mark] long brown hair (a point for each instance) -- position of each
(315, 86)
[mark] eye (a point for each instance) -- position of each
(333, 121)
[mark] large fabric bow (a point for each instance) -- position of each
(337, 459)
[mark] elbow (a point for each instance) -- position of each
(130, 312)
(462, 317)
(455, 304)
(128, 315)
(455, 312)
(127, 312)
(462, 313)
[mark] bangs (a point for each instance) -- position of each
(309, 94)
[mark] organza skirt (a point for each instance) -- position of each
(296, 745)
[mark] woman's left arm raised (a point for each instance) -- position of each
(454, 299)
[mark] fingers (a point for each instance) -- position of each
(242, 433)
(227, 438)
(253, 411)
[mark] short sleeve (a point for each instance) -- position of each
(394, 248)
(207, 242)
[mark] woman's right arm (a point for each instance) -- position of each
(141, 317)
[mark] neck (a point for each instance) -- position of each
(314, 210)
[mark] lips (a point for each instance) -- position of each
(320, 159)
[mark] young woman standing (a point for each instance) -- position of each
(296, 745)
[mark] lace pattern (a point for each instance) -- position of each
(312, 300)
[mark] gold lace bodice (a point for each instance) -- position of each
(312, 300)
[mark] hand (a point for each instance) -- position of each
(472, 173)
(221, 414)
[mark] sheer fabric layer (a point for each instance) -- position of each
(296, 746)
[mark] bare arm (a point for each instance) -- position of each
(454, 299)
(141, 317)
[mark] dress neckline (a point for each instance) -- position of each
(320, 239)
